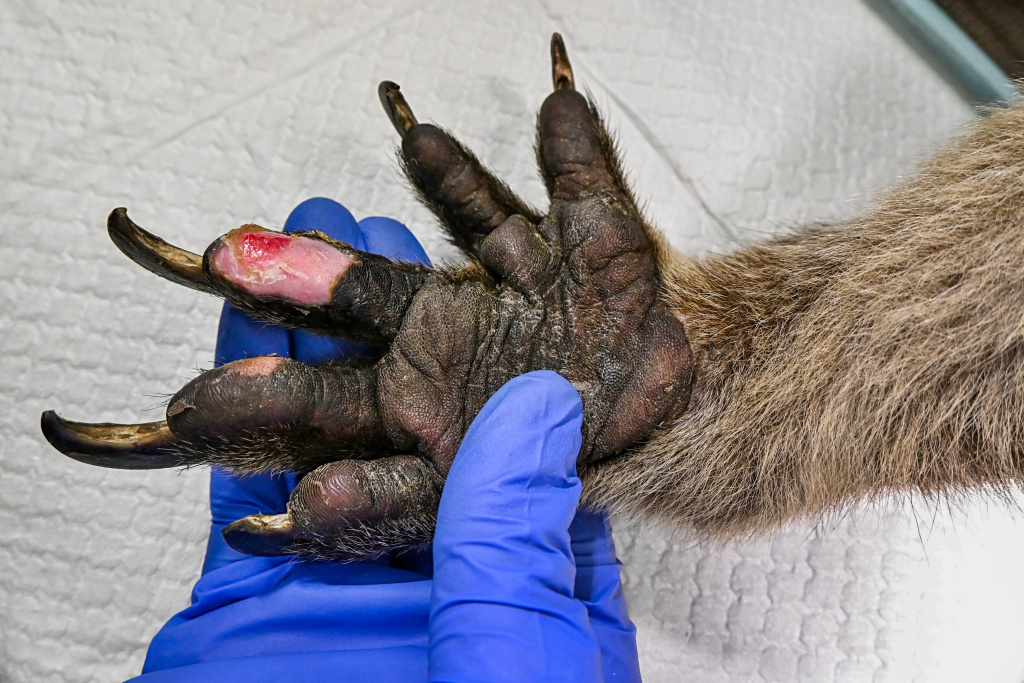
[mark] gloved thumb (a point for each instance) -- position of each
(502, 607)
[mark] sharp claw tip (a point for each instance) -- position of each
(397, 108)
(260, 535)
(56, 430)
(48, 422)
(561, 69)
(58, 433)
(118, 218)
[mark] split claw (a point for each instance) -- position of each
(561, 70)
(261, 535)
(155, 255)
(397, 108)
(125, 447)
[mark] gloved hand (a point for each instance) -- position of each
(255, 618)
(522, 590)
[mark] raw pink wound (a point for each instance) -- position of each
(299, 269)
(259, 249)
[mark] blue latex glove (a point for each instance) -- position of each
(522, 590)
(277, 619)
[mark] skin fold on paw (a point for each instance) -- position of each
(727, 395)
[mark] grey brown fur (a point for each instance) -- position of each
(879, 356)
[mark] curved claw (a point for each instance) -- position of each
(261, 535)
(125, 447)
(561, 70)
(397, 108)
(155, 255)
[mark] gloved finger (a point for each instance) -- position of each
(599, 588)
(503, 567)
(388, 237)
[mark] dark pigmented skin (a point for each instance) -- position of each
(439, 166)
(577, 291)
(599, 322)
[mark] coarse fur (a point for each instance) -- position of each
(875, 357)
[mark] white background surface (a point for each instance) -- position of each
(206, 115)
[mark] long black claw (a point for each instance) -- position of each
(125, 447)
(261, 535)
(155, 255)
(561, 70)
(397, 108)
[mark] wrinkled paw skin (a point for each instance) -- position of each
(578, 290)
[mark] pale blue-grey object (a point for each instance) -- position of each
(949, 50)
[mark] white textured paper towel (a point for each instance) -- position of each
(202, 116)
